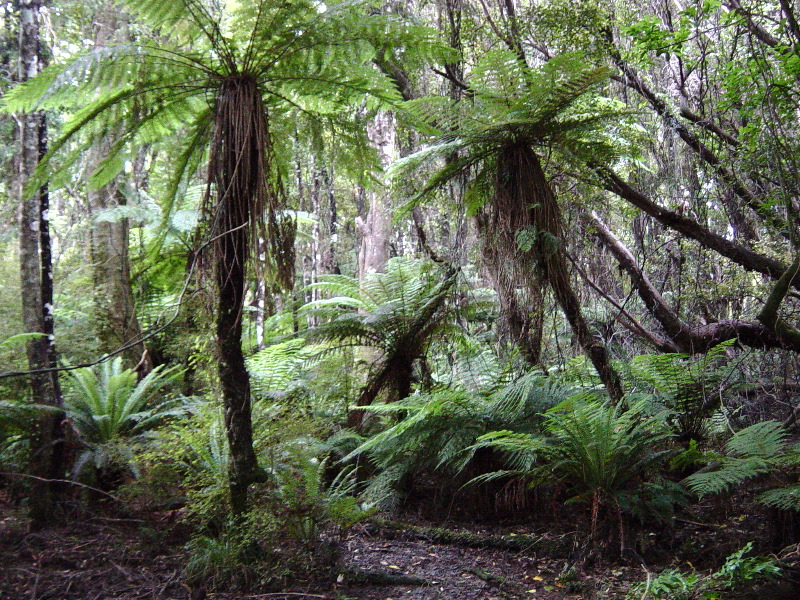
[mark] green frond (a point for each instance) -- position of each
(170, 18)
(785, 498)
(762, 440)
(274, 368)
(751, 452)
(109, 402)
(731, 473)
(551, 107)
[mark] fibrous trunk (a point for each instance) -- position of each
(237, 198)
(522, 186)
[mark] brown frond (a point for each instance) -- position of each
(245, 198)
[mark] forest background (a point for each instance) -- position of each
(511, 229)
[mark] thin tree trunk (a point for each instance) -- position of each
(242, 193)
(233, 374)
(47, 441)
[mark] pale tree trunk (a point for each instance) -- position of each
(376, 228)
(115, 312)
(116, 323)
(47, 443)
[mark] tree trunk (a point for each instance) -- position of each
(47, 439)
(521, 182)
(116, 323)
(376, 229)
(239, 194)
(232, 370)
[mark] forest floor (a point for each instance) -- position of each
(109, 557)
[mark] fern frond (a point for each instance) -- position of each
(763, 440)
(731, 473)
(785, 498)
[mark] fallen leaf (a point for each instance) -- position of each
(537, 578)
(393, 567)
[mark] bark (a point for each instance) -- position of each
(238, 168)
(690, 339)
(533, 191)
(751, 261)
(518, 289)
(47, 439)
(233, 374)
(376, 228)
(769, 313)
(116, 323)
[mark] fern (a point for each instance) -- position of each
(399, 313)
(784, 498)
(550, 107)
(114, 403)
(440, 429)
(274, 368)
(604, 454)
(753, 451)
(689, 388)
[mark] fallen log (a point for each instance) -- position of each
(527, 544)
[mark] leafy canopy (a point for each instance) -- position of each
(512, 103)
(309, 60)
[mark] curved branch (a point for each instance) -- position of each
(690, 339)
(744, 257)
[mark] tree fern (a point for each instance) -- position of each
(603, 454)
(690, 388)
(398, 313)
(440, 428)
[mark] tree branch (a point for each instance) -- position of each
(633, 324)
(769, 313)
(690, 339)
(744, 257)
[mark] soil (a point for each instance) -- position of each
(111, 557)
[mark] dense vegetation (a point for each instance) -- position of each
(285, 266)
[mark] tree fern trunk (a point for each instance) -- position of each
(522, 185)
(232, 370)
(238, 198)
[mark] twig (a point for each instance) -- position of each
(649, 582)
(69, 481)
(286, 595)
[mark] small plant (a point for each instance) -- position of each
(604, 454)
(738, 570)
(112, 406)
(240, 556)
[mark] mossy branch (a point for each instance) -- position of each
(769, 313)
